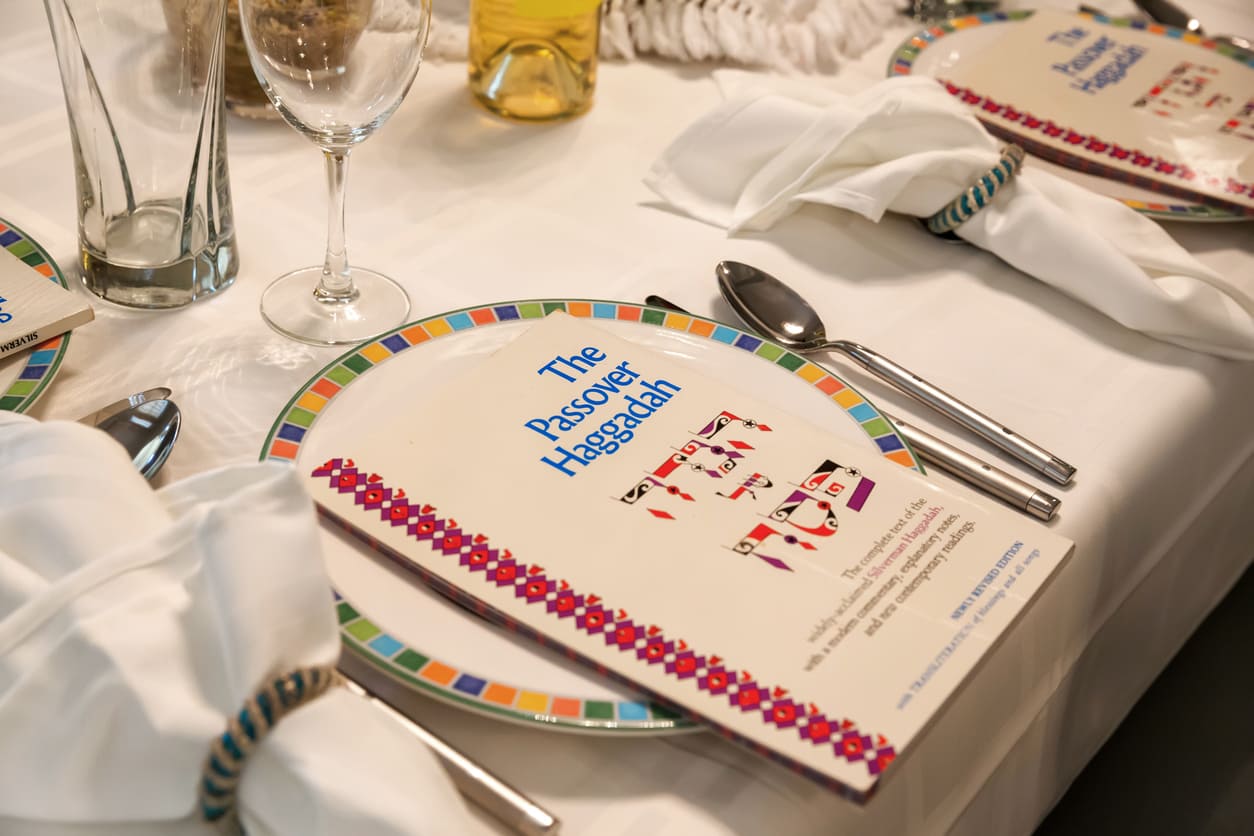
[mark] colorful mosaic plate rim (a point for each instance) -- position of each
(44, 360)
(472, 690)
(903, 58)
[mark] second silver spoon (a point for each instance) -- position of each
(776, 310)
(148, 431)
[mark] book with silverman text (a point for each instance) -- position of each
(795, 588)
(32, 308)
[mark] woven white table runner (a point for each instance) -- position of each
(806, 35)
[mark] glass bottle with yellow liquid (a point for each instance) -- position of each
(534, 59)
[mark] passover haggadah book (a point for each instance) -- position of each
(1172, 114)
(794, 589)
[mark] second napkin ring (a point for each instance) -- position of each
(220, 777)
(959, 210)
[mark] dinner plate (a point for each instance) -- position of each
(942, 45)
(427, 642)
(25, 375)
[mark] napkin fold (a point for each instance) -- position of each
(904, 145)
(134, 622)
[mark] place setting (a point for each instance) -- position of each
(613, 519)
(493, 672)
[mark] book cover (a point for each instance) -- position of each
(32, 308)
(1161, 109)
(795, 590)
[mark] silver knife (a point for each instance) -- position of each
(106, 412)
(473, 780)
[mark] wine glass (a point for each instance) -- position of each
(335, 70)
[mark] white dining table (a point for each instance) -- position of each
(466, 209)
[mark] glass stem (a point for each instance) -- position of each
(337, 281)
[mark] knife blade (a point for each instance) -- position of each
(106, 412)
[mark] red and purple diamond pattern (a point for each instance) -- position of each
(1094, 144)
(595, 617)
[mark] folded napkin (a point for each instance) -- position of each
(133, 622)
(904, 145)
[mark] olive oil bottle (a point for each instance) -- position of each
(534, 59)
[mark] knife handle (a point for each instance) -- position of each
(978, 473)
(929, 394)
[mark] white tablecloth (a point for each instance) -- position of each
(464, 209)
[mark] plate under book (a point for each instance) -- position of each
(799, 592)
(428, 643)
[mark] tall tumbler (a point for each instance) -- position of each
(143, 88)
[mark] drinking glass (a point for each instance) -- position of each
(335, 70)
(143, 92)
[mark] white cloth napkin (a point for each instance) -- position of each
(133, 622)
(904, 145)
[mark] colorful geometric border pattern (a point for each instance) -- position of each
(436, 677)
(44, 359)
(902, 63)
(597, 619)
(285, 438)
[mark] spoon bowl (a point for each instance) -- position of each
(772, 308)
(148, 431)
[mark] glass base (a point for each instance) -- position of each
(138, 262)
(291, 307)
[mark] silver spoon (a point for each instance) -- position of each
(148, 431)
(964, 466)
(773, 308)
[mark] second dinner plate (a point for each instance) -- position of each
(944, 44)
(429, 643)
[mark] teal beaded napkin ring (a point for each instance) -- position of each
(221, 774)
(959, 210)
